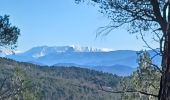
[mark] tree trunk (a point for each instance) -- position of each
(164, 93)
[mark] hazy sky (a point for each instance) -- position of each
(62, 22)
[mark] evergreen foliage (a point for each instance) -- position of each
(146, 80)
(59, 83)
(73, 83)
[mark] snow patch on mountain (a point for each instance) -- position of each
(41, 51)
(89, 49)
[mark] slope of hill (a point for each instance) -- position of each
(64, 83)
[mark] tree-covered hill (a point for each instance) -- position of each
(60, 83)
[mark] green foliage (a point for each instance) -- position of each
(8, 33)
(146, 79)
(27, 92)
(11, 82)
(72, 83)
(15, 84)
(60, 83)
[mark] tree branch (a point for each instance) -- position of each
(148, 44)
(129, 91)
(156, 10)
(157, 67)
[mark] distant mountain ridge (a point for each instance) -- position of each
(78, 55)
(92, 58)
(60, 49)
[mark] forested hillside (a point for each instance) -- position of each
(33, 82)
(59, 83)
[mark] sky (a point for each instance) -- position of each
(62, 23)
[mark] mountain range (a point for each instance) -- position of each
(120, 62)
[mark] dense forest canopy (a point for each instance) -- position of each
(73, 83)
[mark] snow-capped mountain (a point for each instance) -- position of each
(93, 58)
(41, 51)
(77, 55)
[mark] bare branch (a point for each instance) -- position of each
(129, 91)
(105, 30)
(148, 44)
(157, 67)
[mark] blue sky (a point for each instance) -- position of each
(62, 22)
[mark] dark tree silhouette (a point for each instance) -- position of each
(8, 33)
(151, 16)
(8, 39)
